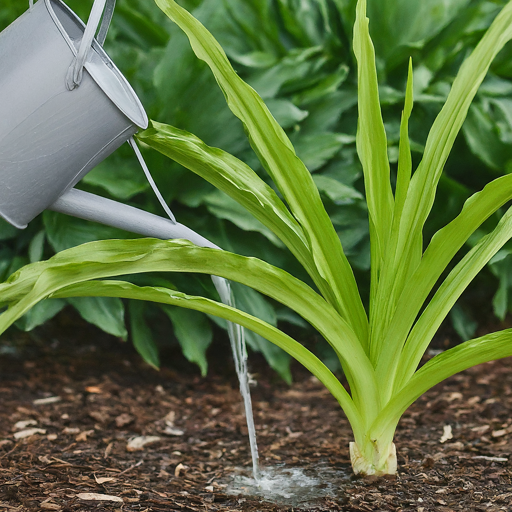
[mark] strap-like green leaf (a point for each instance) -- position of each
(442, 249)
(165, 296)
(277, 155)
(372, 146)
(388, 290)
(447, 295)
(442, 136)
(240, 182)
(466, 355)
(109, 258)
(404, 156)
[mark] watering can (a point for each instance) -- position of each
(65, 107)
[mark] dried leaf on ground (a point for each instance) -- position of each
(92, 496)
(138, 443)
(22, 434)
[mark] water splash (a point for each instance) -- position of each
(291, 486)
(237, 340)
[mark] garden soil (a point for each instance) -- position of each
(77, 406)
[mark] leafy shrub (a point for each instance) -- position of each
(303, 67)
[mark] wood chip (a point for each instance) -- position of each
(22, 434)
(101, 416)
(138, 443)
(179, 468)
(104, 479)
(93, 389)
(173, 431)
(491, 459)
(20, 425)
(83, 435)
(502, 432)
(50, 506)
(108, 449)
(123, 419)
(71, 430)
(170, 417)
(91, 496)
(447, 434)
(49, 400)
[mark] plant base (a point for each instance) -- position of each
(382, 462)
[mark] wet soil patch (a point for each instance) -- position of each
(110, 433)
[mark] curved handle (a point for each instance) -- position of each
(99, 8)
(159, 196)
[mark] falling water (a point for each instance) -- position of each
(236, 337)
(235, 332)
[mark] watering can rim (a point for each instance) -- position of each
(142, 121)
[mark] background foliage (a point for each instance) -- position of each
(297, 55)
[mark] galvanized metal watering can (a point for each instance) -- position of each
(65, 107)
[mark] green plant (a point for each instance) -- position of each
(303, 67)
(379, 352)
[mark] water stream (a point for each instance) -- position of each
(235, 332)
(237, 340)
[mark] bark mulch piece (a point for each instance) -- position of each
(85, 425)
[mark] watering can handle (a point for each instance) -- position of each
(99, 8)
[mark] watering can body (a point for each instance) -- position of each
(51, 136)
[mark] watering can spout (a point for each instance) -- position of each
(84, 205)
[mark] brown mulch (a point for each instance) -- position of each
(89, 395)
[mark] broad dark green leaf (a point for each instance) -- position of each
(7, 231)
(464, 325)
(335, 190)
(121, 179)
(40, 313)
(418, 22)
(223, 207)
(483, 139)
(141, 334)
(64, 232)
(36, 247)
(103, 312)
(316, 150)
(194, 334)
(285, 112)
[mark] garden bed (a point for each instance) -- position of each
(90, 394)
